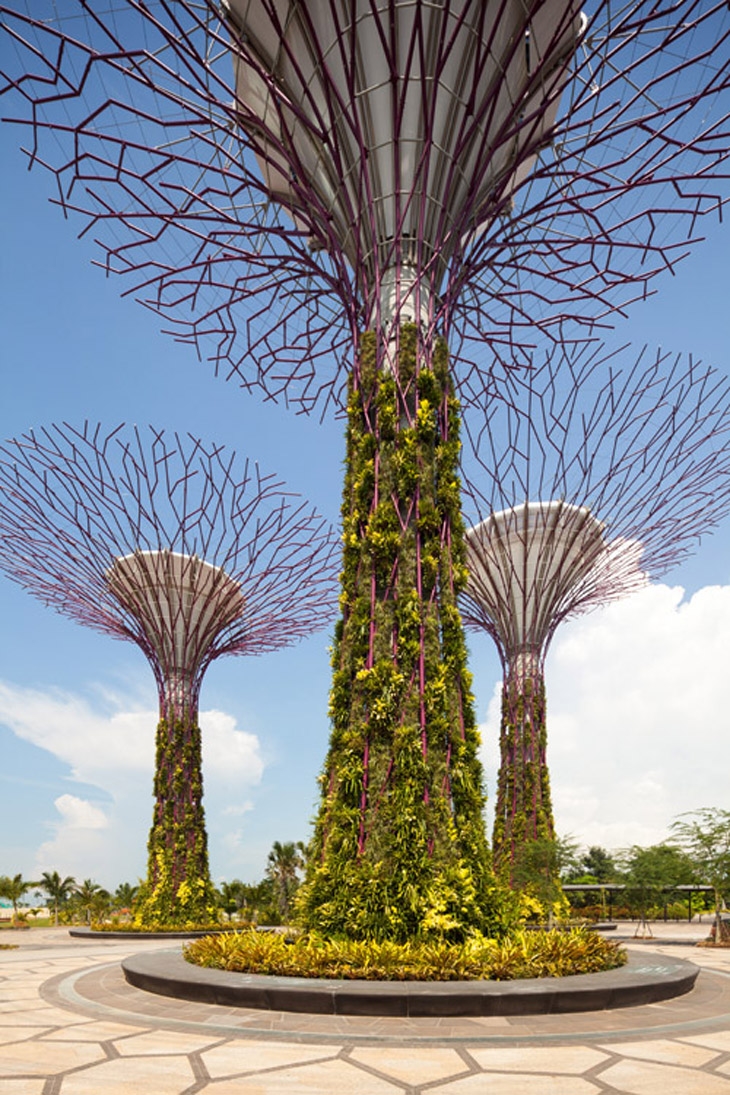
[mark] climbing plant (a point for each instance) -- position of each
(399, 848)
(178, 890)
(523, 811)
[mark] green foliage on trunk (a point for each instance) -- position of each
(524, 811)
(178, 890)
(399, 849)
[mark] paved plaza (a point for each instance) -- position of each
(70, 1025)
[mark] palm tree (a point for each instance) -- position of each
(231, 896)
(124, 895)
(13, 889)
(283, 864)
(58, 889)
(92, 898)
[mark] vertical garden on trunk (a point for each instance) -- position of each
(399, 848)
(178, 889)
(523, 811)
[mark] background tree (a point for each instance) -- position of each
(92, 899)
(58, 889)
(250, 902)
(232, 896)
(539, 867)
(599, 864)
(594, 867)
(284, 863)
(14, 889)
(651, 871)
(260, 905)
(125, 895)
(704, 836)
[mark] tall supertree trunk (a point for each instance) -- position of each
(523, 813)
(399, 847)
(178, 889)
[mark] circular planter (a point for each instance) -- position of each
(645, 979)
(92, 933)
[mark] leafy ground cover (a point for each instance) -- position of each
(521, 955)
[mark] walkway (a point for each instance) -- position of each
(70, 1025)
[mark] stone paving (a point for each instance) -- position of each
(70, 1025)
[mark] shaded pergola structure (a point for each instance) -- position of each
(322, 198)
(186, 551)
(598, 474)
(608, 891)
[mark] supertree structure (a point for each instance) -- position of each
(186, 551)
(295, 186)
(600, 473)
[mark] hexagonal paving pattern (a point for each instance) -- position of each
(161, 1075)
(71, 1025)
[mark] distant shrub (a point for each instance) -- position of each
(142, 929)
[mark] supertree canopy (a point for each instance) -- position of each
(275, 177)
(598, 474)
(189, 553)
(309, 192)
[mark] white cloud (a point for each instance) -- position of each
(119, 744)
(78, 813)
(234, 836)
(78, 845)
(229, 755)
(637, 724)
(112, 749)
(238, 810)
(89, 741)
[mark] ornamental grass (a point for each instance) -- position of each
(521, 955)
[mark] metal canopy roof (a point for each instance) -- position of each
(398, 128)
(181, 602)
(525, 562)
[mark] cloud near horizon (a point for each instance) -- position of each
(636, 702)
(113, 750)
(637, 734)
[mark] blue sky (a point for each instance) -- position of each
(638, 719)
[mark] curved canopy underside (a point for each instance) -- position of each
(274, 177)
(395, 132)
(181, 603)
(526, 565)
